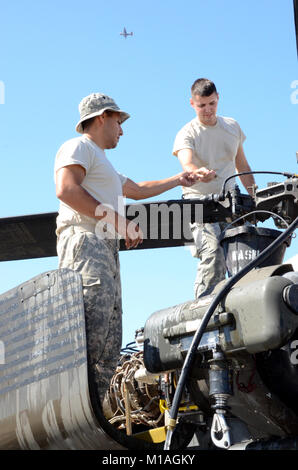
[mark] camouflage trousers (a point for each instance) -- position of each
(98, 263)
(212, 266)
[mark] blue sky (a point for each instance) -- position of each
(54, 53)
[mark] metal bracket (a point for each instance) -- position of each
(220, 431)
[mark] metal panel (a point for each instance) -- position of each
(254, 317)
(44, 395)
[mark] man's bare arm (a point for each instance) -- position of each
(70, 191)
(242, 165)
(204, 175)
(146, 189)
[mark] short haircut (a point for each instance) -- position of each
(203, 87)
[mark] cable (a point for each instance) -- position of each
(287, 175)
(199, 332)
(256, 212)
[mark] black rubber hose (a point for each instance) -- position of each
(287, 175)
(199, 332)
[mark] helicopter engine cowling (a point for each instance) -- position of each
(255, 328)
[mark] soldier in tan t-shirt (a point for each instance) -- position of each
(212, 147)
(91, 221)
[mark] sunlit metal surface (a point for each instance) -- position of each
(44, 396)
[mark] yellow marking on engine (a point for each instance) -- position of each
(153, 435)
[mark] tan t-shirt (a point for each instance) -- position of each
(214, 147)
(102, 181)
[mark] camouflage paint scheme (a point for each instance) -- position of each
(44, 396)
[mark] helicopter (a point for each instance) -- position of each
(48, 399)
(215, 374)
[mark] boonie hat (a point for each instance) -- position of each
(95, 105)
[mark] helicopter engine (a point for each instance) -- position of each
(243, 383)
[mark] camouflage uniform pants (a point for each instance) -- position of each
(212, 266)
(98, 263)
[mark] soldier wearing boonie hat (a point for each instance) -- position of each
(92, 219)
(95, 105)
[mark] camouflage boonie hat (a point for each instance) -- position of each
(95, 105)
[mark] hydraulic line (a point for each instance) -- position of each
(205, 320)
(286, 174)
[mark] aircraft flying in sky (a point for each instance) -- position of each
(125, 33)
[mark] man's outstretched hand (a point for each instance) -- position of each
(188, 178)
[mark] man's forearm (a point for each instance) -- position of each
(147, 189)
(154, 188)
(248, 182)
(78, 199)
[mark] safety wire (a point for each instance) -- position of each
(200, 331)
